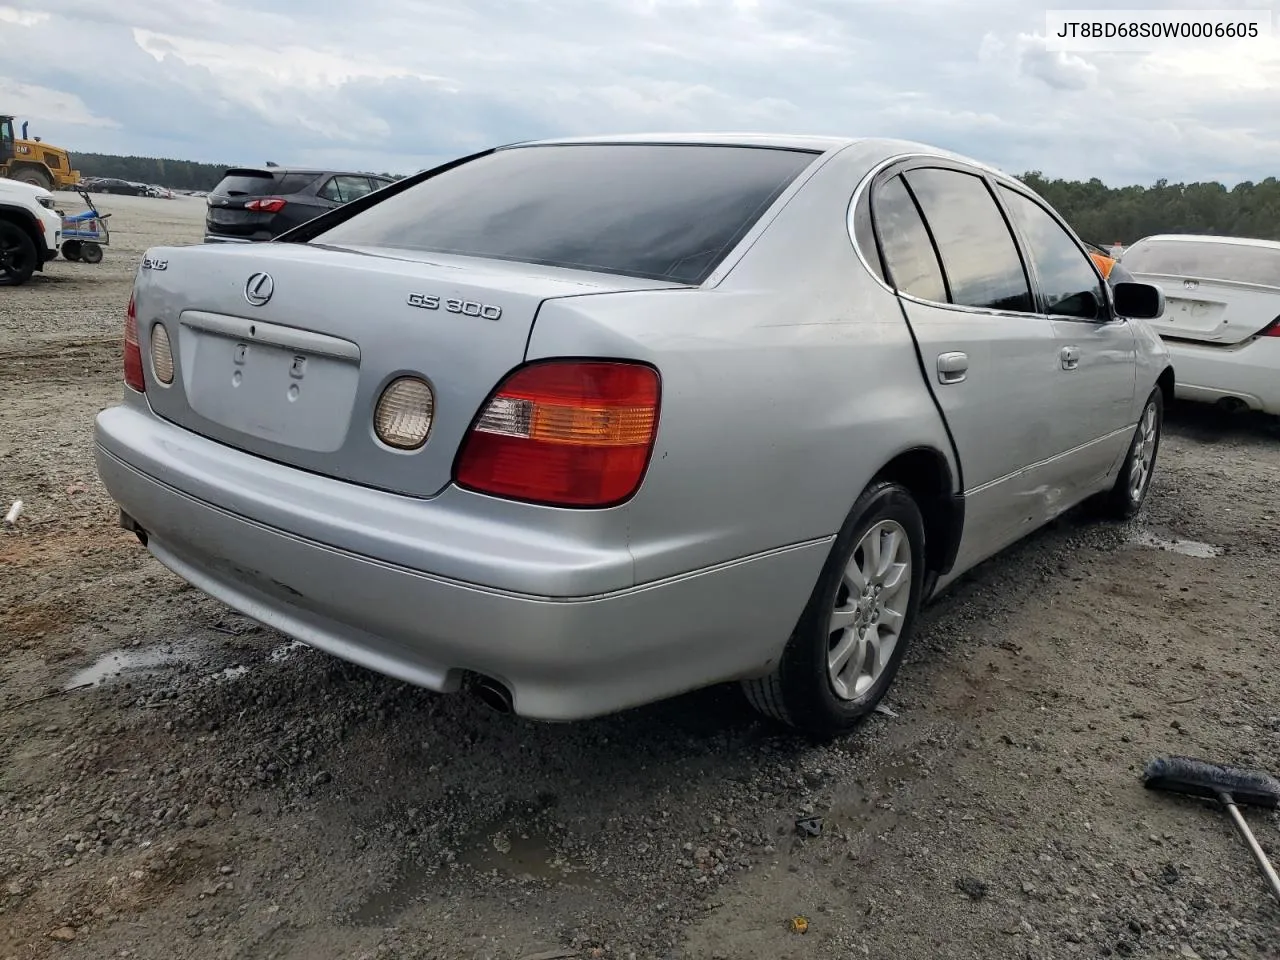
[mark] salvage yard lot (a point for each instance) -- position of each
(237, 796)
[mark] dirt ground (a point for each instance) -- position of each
(177, 782)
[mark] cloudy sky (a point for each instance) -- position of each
(412, 82)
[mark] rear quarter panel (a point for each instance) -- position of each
(785, 388)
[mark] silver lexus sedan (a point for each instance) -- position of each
(582, 424)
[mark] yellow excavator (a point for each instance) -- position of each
(34, 161)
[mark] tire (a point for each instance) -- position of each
(1125, 499)
(34, 176)
(18, 255)
(71, 249)
(803, 692)
(90, 252)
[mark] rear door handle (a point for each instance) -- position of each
(1070, 357)
(953, 367)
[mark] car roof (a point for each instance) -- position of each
(876, 148)
(1212, 238)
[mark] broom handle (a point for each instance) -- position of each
(1264, 864)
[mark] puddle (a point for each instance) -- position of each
(507, 849)
(129, 662)
(132, 661)
(285, 652)
(1188, 548)
(516, 851)
(278, 655)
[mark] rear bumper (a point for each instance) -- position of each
(1250, 373)
(295, 566)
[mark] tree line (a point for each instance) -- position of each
(160, 172)
(1099, 213)
(1103, 215)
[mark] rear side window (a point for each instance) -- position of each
(908, 251)
(292, 183)
(979, 256)
(1068, 283)
(344, 189)
(248, 183)
(1234, 262)
(661, 211)
(864, 234)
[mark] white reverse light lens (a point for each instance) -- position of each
(403, 415)
(161, 354)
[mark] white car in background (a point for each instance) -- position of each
(30, 230)
(1222, 315)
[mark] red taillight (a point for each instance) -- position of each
(266, 205)
(132, 353)
(1272, 329)
(573, 433)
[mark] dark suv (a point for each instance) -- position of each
(260, 204)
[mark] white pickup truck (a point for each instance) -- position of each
(30, 230)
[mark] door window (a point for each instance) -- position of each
(331, 191)
(979, 257)
(908, 252)
(353, 188)
(1069, 285)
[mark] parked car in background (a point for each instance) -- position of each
(580, 425)
(251, 204)
(115, 185)
(1222, 315)
(30, 230)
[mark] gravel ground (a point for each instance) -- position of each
(217, 792)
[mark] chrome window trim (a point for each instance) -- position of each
(864, 186)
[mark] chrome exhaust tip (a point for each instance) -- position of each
(493, 694)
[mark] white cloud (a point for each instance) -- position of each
(289, 65)
(40, 103)
(23, 18)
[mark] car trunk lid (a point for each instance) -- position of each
(1217, 291)
(282, 350)
(1214, 311)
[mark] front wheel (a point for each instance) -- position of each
(17, 254)
(90, 252)
(1125, 499)
(71, 249)
(851, 638)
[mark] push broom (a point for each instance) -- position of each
(1229, 786)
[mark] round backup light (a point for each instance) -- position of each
(161, 354)
(403, 416)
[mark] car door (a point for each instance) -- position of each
(988, 357)
(1097, 352)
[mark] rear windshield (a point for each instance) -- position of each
(1205, 261)
(246, 183)
(666, 212)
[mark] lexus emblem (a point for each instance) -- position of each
(258, 288)
(1190, 284)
